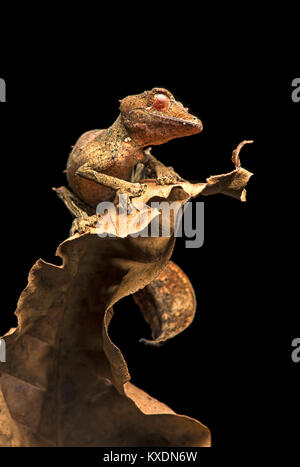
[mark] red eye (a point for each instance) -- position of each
(160, 102)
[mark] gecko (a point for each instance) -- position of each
(105, 162)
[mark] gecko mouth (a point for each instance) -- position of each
(192, 122)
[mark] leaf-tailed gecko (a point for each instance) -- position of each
(103, 162)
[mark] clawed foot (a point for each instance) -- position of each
(167, 176)
(136, 189)
(81, 224)
(131, 191)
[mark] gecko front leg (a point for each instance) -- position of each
(164, 175)
(117, 184)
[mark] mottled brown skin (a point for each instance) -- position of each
(102, 164)
(151, 118)
(168, 304)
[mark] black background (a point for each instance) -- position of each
(231, 369)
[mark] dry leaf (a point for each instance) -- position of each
(64, 382)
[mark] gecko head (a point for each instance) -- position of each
(155, 117)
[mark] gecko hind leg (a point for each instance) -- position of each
(76, 207)
(83, 213)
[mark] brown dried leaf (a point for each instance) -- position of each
(65, 383)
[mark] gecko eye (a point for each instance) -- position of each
(160, 102)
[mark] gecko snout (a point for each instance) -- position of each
(198, 123)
